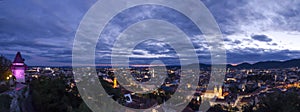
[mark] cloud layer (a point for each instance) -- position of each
(253, 30)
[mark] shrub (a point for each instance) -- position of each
(3, 88)
(5, 101)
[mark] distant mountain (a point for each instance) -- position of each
(269, 64)
(259, 65)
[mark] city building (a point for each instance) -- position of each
(209, 94)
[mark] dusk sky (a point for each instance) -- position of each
(253, 30)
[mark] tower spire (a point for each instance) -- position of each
(18, 58)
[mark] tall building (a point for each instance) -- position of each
(18, 68)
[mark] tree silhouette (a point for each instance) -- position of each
(4, 67)
(277, 102)
(218, 108)
(53, 95)
(5, 101)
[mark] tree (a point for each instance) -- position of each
(53, 95)
(83, 108)
(5, 101)
(247, 108)
(4, 67)
(277, 102)
(218, 108)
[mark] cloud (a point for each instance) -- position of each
(40, 30)
(255, 15)
(262, 38)
(258, 54)
(237, 42)
(44, 31)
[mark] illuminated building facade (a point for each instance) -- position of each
(115, 83)
(18, 68)
(218, 93)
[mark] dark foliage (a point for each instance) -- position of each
(5, 101)
(50, 95)
(4, 67)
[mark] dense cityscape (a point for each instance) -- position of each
(149, 56)
(54, 88)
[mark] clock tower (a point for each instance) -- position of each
(18, 68)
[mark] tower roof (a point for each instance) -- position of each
(18, 58)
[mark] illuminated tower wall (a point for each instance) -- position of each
(18, 68)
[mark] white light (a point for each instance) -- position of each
(18, 63)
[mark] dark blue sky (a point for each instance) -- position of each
(253, 30)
